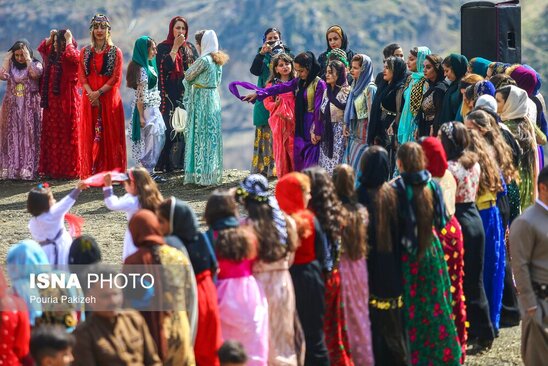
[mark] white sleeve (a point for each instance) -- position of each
(125, 203)
(60, 208)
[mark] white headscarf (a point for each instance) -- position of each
(488, 102)
(209, 43)
(516, 104)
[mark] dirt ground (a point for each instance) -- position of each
(108, 228)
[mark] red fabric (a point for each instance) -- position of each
(435, 154)
(208, 337)
(59, 144)
(453, 247)
(178, 71)
(97, 180)
(75, 224)
(282, 124)
(336, 337)
(112, 146)
(14, 327)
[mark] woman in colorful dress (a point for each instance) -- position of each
(333, 141)
(464, 166)
(512, 108)
(102, 134)
(61, 100)
(311, 260)
(277, 238)
(455, 67)
(328, 209)
(335, 37)
(309, 88)
(389, 337)
(415, 87)
(358, 109)
(21, 118)
(427, 298)
(147, 128)
(175, 55)
(263, 153)
(353, 267)
(204, 140)
(166, 315)
(243, 306)
(451, 235)
(282, 115)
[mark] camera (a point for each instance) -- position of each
(276, 47)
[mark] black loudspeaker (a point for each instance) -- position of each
(491, 30)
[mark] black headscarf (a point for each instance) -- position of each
(453, 97)
(18, 46)
(184, 225)
(386, 90)
(313, 67)
(84, 250)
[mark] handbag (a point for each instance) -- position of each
(179, 119)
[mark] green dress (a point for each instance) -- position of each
(203, 135)
(432, 334)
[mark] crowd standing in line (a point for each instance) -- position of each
(406, 204)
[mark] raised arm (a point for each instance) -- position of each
(277, 89)
(60, 208)
(195, 69)
(114, 203)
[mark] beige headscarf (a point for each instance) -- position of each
(516, 104)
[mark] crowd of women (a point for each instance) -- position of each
(385, 241)
(63, 118)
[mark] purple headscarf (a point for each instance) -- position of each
(525, 78)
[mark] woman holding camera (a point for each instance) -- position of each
(263, 159)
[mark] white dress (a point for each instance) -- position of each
(129, 204)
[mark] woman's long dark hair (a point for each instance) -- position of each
(354, 233)
(413, 160)
(325, 204)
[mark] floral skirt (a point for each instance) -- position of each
(263, 158)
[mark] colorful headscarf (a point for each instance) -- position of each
(435, 155)
(339, 54)
(255, 187)
(480, 66)
(539, 80)
(178, 70)
(358, 86)
(484, 87)
(526, 79)
(498, 67)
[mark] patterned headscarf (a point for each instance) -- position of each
(99, 18)
(338, 54)
(255, 187)
(365, 78)
(484, 87)
(498, 67)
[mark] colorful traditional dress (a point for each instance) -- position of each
(413, 93)
(263, 153)
(333, 143)
(307, 115)
(102, 134)
(61, 100)
(20, 122)
(427, 299)
(203, 135)
(282, 124)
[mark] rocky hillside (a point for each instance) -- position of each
(370, 24)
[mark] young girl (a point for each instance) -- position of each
(47, 223)
(353, 267)
(142, 192)
(333, 143)
(282, 115)
(242, 304)
(358, 109)
(329, 211)
(277, 240)
(147, 129)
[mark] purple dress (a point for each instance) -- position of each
(306, 154)
(20, 123)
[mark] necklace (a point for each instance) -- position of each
(102, 47)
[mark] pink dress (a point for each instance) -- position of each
(355, 297)
(243, 309)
